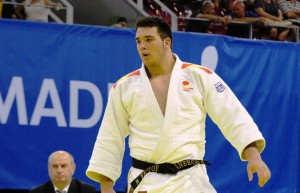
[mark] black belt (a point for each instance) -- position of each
(164, 168)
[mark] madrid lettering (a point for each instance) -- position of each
(49, 93)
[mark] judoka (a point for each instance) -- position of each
(162, 108)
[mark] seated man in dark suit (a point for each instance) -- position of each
(61, 167)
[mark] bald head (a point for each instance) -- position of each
(61, 168)
(239, 2)
(239, 8)
(61, 153)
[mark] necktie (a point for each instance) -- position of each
(60, 191)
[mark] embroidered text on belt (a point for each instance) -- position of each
(164, 168)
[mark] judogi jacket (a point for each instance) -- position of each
(194, 92)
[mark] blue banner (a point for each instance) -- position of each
(55, 78)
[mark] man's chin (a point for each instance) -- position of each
(60, 180)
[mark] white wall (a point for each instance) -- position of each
(102, 12)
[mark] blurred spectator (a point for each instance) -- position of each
(194, 25)
(290, 9)
(223, 7)
(216, 24)
(35, 10)
(239, 13)
(8, 9)
(269, 9)
(120, 23)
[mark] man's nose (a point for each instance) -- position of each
(59, 169)
(142, 46)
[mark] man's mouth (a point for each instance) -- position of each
(145, 54)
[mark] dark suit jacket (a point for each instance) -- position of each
(76, 186)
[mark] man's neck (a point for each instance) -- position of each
(165, 68)
(62, 186)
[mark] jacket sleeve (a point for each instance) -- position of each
(229, 115)
(109, 147)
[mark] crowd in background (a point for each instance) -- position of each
(269, 19)
(32, 10)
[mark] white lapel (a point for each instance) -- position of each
(152, 103)
(166, 121)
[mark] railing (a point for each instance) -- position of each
(139, 6)
(54, 11)
(251, 26)
(163, 11)
(178, 23)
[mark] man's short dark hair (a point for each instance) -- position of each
(163, 27)
(122, 19)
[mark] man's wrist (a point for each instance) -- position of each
(251, 152)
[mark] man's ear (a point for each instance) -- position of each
(74, 168)
(167, 42)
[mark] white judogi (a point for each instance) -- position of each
(132, 109)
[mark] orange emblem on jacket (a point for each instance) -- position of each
(134, 73)
(186, 85)
(186, 65)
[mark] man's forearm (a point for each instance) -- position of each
(251, 151)
(106, 184)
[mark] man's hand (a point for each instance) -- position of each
(256, 165)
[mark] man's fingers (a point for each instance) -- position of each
(250, 173)
(263, 176)
(262, 170)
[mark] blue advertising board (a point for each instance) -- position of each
(54, 83)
